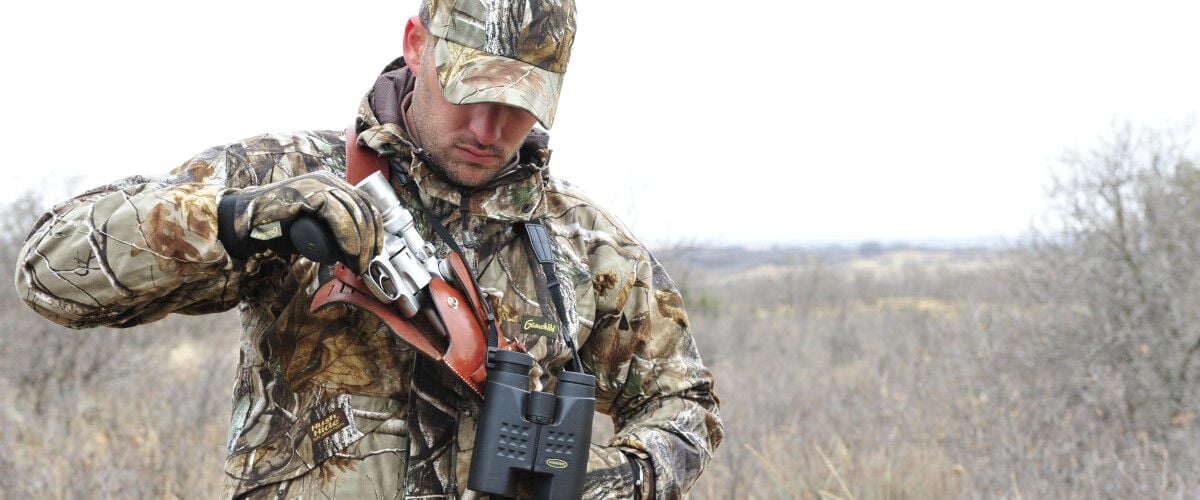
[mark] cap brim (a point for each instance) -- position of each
(469, 76)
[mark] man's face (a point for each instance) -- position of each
(471, 142)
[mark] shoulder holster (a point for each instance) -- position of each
(461, 308)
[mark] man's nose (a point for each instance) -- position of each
(487, 122)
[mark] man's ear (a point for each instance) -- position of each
(414, 43)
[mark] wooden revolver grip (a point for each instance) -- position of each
(464, 353)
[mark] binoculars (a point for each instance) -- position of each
(523, 434)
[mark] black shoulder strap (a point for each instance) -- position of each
(542, 248)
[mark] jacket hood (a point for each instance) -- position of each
(516, 194)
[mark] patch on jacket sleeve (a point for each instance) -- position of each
(331, 427)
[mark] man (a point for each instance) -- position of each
(331, 403)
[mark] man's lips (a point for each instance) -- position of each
(474, 155)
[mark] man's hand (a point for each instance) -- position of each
(618, 473)
(250, 217)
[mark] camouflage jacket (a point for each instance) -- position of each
(332, 401)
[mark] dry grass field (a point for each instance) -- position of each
(915, 374)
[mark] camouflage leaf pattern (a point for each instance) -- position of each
(352, 220)
(512, 52)
(469, 76)
(139, 249)
(538, 32)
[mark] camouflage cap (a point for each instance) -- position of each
(511, 52)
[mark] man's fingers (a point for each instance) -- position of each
(342, 215)
(350, 217)
(355, 223)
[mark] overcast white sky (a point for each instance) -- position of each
(776, 121)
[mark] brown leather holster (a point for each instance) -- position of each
(460, 308)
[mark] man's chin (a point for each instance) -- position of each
(464, 173)
(469, 175)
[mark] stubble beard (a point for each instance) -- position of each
(440, 149)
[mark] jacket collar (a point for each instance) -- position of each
(518, 194)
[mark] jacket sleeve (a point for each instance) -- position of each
(136, 250)
(650, 377)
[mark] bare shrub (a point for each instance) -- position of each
(1110, 328)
